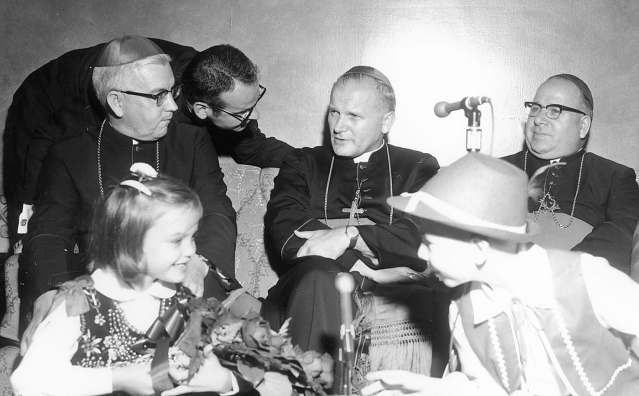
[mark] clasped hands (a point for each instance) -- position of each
(332, 243)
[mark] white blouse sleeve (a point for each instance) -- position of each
(46, 367)
(614, 295)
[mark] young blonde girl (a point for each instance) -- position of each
(142, 239)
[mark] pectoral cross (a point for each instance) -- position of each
(547, 204)
(353, 210)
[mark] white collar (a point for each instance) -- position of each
(537, 292)
(366, 156)
(107, 283)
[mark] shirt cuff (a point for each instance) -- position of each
(235, 387)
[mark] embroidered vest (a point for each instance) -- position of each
(594, 359)
(106, 334)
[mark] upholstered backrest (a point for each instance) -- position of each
(249, 188)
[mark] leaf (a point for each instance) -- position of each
(196, 363)
(232, 297)
(284, 328)
(275, 384)
(250, 373)
(190, 338)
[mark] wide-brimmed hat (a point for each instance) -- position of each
(476, 193)
(127, 49)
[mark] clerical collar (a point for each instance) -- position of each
(566, 158)
(366, 156)
(120, 139)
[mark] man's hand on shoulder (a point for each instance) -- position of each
(331, 243)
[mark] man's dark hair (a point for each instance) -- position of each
(214, 71)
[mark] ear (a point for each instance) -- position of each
(114, 100)
(584, 126)
(480, 255)
(387, 121)
(202, 110)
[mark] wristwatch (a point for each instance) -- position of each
(353, 233)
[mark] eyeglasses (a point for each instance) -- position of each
(243, 117)
(160, 97)
(553, 111)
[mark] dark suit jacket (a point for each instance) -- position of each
(249, 146)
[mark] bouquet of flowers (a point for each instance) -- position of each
(248, 347)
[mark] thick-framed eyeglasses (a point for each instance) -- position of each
(243, 117)
(553, 111)
(159, 97)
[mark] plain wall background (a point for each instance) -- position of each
(431, 50)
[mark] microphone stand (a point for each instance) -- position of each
(473, 132)
(345, 285)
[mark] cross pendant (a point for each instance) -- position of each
(548, 204)
(353, 210)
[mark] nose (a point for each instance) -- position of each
(340, 125)
(169, 103)
(541, 117)
(189, 247)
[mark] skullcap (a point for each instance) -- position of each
(371, 72)
(580, 84)
(127, 49)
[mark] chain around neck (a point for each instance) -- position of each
(328, 183)
(542, 201)
(157, 158)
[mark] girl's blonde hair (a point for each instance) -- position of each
(122, 219)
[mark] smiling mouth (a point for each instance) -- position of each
(537, 131)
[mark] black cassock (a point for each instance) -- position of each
(70, 187)
(608, 200)
(306, 288)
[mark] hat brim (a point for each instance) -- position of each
(425, 211)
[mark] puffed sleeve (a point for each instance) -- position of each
(46, 367)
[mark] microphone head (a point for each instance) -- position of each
(440, 109)
(344, 282)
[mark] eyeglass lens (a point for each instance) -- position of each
(175, 93)
(534, 109)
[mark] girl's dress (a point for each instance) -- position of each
(92, 330)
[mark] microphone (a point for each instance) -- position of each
(443, 109)
(345, 284)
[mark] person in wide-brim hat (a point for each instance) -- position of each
(477, 193)
(525, 320)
